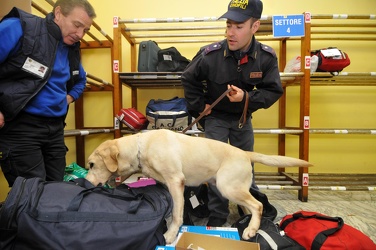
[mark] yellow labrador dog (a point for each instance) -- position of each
(176, 160)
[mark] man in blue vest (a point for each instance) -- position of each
(40, 75)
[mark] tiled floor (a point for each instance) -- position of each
(357, 208)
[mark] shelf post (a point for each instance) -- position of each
(304, 121)
(117, 93)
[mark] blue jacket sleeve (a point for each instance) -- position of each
(10, 34)
(79, 86)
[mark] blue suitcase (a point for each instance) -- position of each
(148, 56)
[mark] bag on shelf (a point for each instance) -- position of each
(170, 60)
(270, 236)
(168, 114)
(41, 214)
(317, 231)
(148, 56)
(132, 118)
(331, 59)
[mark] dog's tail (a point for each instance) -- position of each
(278, 160)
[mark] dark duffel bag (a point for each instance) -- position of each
(39, 214)
(170, 60)
(270, 236)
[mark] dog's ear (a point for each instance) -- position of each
(110, 156)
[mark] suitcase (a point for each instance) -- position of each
(132, 118)
(148, 56)
(40, 214)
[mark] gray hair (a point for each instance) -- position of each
(68, 5)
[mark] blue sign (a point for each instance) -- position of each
(288, 26)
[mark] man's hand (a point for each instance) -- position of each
(206, 107)
(2, 121)
(70, 99)
(236, 95)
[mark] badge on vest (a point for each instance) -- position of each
(255, 75)
(35, 67)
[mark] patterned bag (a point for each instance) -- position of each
(168, 114)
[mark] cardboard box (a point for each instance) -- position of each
(164, 248)
(196, 241)
(222, 232)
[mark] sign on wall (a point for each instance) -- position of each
(288, 26)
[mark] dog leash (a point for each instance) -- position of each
(242, 120)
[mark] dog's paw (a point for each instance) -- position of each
(169, 237)
(249, 233)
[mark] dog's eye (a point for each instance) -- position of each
(91, 165)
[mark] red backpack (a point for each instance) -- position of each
(331, 61)
(317, 231)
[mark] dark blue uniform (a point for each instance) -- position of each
(207, 77)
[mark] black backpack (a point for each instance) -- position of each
(39, 214)
(170, 60)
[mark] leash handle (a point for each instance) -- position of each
(243, 118)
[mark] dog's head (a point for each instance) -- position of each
(103, 162)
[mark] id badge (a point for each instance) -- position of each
(35, 67)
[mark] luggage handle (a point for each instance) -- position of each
(323, 235)
(75, 203)
(162, 100)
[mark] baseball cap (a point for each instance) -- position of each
(242, 10)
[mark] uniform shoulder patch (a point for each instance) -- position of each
(212, 47)
(268, 49)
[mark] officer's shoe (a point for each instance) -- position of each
(269, 211)
(216, 221)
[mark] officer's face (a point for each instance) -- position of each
(239, 35)
(74, 25)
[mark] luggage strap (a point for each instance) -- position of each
(75, 203)
(323, 235)
(268, 239)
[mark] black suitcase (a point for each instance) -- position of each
(39, 214)
(148, 56)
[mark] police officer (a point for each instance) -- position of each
(250, 69)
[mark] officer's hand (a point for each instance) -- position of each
(2, 121)
(206, 107)
(236, 95)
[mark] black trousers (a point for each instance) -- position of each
(227, 130)
(33, 146)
